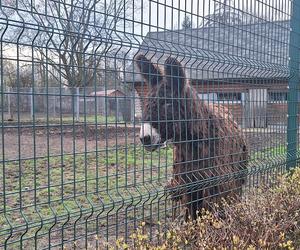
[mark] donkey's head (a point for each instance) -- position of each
(163, 114)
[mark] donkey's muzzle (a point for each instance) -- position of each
(148, 144)
(149, 137)
(146, 140)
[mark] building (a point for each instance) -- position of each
(242, 66)
(109, 102)
(109, 93)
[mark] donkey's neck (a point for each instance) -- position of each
(192, 141)
(187, 152)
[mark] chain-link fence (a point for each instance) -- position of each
(119, 112)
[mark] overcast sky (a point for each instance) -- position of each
(166, 14)
(159, 15)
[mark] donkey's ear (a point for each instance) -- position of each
(149, 72)
(175, 74)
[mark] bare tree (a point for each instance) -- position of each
(17, 76)
(9, 76)
(81, 39)
(14, 78)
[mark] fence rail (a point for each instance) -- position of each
(119, 112)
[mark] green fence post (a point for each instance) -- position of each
(292, 128)
(31, 103)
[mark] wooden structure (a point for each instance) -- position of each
(114, 99)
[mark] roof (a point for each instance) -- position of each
(222, 52)
(109, 92)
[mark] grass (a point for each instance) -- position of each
(58, 187)
(268, 152)
(41, 119)
(56, 191)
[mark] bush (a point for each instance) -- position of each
(266, 218)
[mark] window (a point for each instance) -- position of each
(229, 96)
(277, 96)
(207, 96)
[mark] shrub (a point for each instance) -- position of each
(265, 218)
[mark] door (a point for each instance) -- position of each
(255, 108)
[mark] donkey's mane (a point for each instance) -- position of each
(217, 148)
(207, 115)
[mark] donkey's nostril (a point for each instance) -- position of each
(146, 140)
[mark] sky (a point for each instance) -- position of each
(167, 14)
(159, 15)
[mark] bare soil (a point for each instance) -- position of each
(26, 142)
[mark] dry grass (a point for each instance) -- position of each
(267, 218)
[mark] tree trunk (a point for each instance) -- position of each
(75, 100)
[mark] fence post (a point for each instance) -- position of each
(118, 110)
(132, 106)
(8, 102)
(54, 101)
(292, 126)
(77, 104)
(31, 103)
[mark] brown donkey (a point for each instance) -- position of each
(210, 153)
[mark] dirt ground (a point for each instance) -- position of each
(26, 143)
(54, 140)
(23, 143)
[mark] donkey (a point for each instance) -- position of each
(210, 153)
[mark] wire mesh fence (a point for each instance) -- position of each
(49, 103)
(117, 112)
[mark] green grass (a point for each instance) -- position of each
(51, 191)
(268, 152)
(88, 118)
(99, 119)
(62, 186)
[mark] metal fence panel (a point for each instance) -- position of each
(117, 112)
